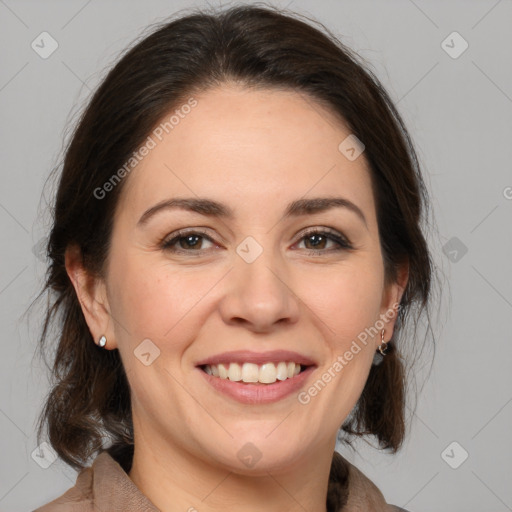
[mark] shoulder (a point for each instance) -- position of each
(103, 486)
(76, 499)
(365, 495)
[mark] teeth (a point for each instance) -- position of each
(223, 372)
(282, 371)
(234, 372)
(266, 373)
(249, 372)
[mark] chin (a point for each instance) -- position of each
(257, 458)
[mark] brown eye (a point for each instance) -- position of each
(317, 242)
(318, 239)
(186, 241)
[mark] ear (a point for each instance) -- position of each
(92, 295)
(391, 297)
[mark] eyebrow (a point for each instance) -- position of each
(211, 208)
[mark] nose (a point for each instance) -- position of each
(259, 295)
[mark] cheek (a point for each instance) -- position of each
(155, 301)
(347, 299)
(346, 304)
(160, 304)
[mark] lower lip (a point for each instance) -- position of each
(258, 393)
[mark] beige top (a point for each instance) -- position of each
(106, 487)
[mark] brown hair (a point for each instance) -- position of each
(256, 46)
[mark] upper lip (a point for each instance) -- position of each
(247, 356)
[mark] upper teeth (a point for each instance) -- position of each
(249, 372)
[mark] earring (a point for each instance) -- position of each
(102, 341)
(383, 346)
(381, 351)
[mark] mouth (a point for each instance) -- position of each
(252, 373)
(249, 389)
(250, 367)
(257, 377)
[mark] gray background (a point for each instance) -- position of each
(459, 112)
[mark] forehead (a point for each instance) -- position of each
(248, 148)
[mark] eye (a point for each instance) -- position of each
(191, 241)
(188, 241)
(318, 238)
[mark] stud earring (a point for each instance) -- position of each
(102, 341)
(381, 351)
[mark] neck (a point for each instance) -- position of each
(178, 480)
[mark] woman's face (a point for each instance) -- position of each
(257, 280)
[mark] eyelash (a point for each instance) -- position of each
(343, 243)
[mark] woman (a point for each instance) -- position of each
(235, 251)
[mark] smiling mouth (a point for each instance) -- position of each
(250, 373)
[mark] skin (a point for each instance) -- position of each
(255, 151)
